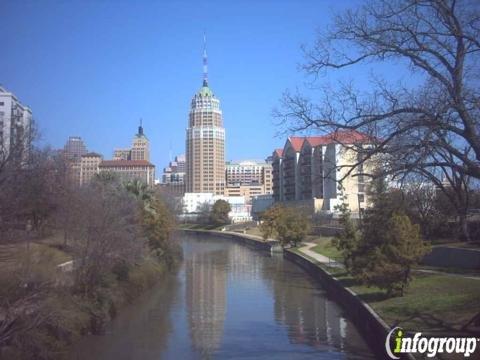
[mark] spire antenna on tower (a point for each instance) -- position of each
(140, 128)
(205, 61)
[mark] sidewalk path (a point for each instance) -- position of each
(306, 249)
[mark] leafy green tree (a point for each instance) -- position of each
(292, 227)
(158, 224)
(389, 244)
(347, 240)
(139, 189)
(386, 262)
(288, 224)
(269, 220)
(219, 212)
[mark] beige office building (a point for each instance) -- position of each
(89, 167)
(205, 143)
(140, 149)
(128, 170)
(248, 178)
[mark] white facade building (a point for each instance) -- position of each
(15, 123)
(240, 210)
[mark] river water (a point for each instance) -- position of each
(228, 301)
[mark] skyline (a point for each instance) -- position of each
(94, 74)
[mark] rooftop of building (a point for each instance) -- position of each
(346, 137)
(115, 163)
(91, 154)
(246, 163)
(296, 142)
(205, 91)
(278, 152)
(5, 93)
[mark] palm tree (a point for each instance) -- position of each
(140, 190)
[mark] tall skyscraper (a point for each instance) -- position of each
(74, 148)
(73, 151)
(141, 145)
(205, 143)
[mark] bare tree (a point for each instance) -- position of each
(106, 230)
(413, 128)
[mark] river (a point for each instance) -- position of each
(228, 301)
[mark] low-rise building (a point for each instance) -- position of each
(128, 170)
(247, 191)
(194, 203)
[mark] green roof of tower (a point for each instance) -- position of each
(205, 91)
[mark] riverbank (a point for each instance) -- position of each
(60, 315)
(229, 301)
(250, 240)
(370, 324)
(433, 303)
(438, 300)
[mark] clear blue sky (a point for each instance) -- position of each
(93, 68)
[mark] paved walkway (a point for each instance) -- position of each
(306, 249)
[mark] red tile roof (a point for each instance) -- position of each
(296, 142)
(317, 140)
(114, 163)
(340, 136)
(349, 137)
(278, 152)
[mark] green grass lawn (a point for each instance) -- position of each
(325, 247)
(200, 226)
(433, 302)
(254, 231)
(437, 303)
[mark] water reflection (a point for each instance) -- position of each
(229, 301)
(206, 299)
(141, 331)
(312, 319)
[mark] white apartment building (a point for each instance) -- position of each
(307, 172)
(15, 124)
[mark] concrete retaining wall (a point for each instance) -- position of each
(445, 256)
(369, 324)
(373, 329)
